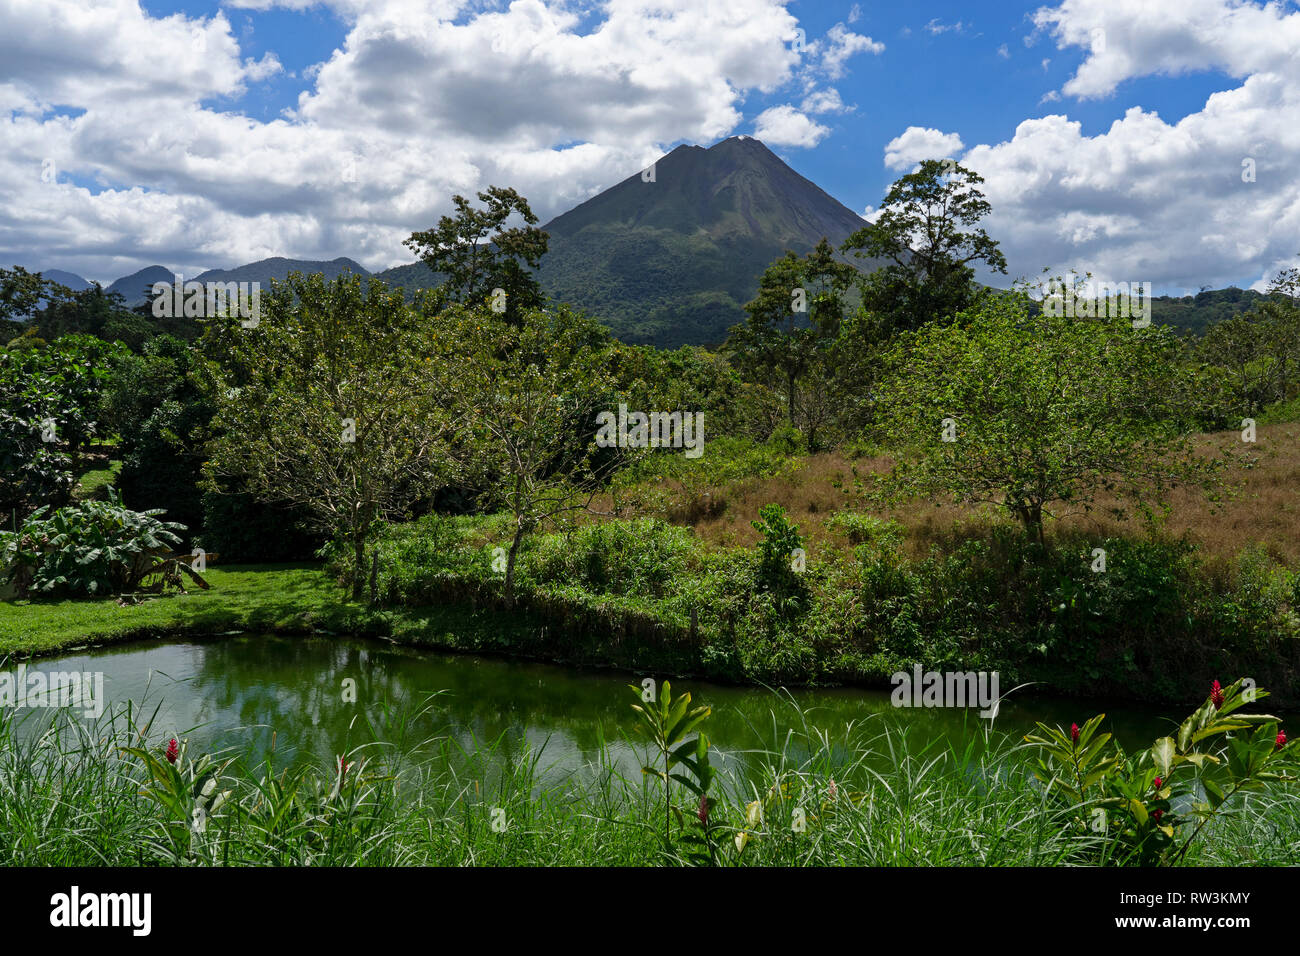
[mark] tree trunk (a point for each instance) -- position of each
(1031, 519)
(359, 565)
(790, 399)
(510, 564)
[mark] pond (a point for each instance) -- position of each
(252, 692)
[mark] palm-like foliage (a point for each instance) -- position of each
(92, 548)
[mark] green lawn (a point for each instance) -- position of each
(266, 598)
(281, 598)
(93, 483)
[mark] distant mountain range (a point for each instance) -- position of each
(670, 256)
(135, 287)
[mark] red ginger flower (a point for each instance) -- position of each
(173, 751)
(1216, 695)
(1156, 783)
(1281, 740)
(1157, 814)
(1074, 733)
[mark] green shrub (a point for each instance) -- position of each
(91, 548)
(860, 529)
(642, 557)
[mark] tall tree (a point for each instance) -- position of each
(1039, 414)
(523, 401)
(927, 228)
(477, 254)
(326, 405)
(793, 319)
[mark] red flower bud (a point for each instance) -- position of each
(1074, 733)
(1157, 814)
(173, 751)
(1156, 783)
(1216, 695)
(343, 767)
(703, 812)
(1281, 740)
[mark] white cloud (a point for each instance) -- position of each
(1170, 37)
(1004, 52)
(1152, 201)
(139, 117)
(855, 13)
(917, 143)
(840, 44)
(1149, 199)
(934, 27)
(786, 126)
(824, 101)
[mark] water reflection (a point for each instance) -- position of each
(246, 691)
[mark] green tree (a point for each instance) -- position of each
(927, 229)
(22, 292)
(793, 320)
(523, 401)
(1238, 346)
(1037, 414)
(325, 405)
(50, 411)
(477, 254)
(90, 311)
(1281, 319)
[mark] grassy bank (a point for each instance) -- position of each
(109, 796)
(265, 598)
(1159, 624)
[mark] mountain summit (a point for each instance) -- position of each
(670, 255)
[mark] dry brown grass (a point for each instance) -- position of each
(1263, 509)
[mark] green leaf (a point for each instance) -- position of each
(1162, 755)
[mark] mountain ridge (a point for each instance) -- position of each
(670, 255)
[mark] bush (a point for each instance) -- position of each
(643, 557)
(92, 548)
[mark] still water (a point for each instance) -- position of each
(253, 692)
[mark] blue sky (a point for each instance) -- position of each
(1112, 135)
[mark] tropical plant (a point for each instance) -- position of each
(522, 401)
(1039, 414)
(926, 229)
(793, 320)
(476, 254)
(780, 553)
(325, 405)
(93, 548)
(1150, 807)
(668, 722)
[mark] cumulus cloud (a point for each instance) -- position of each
(786, 126)
(1170, 37)
(917, 143)
(125, 143)
(1147, 199)
(840, 44)
(824, 101)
